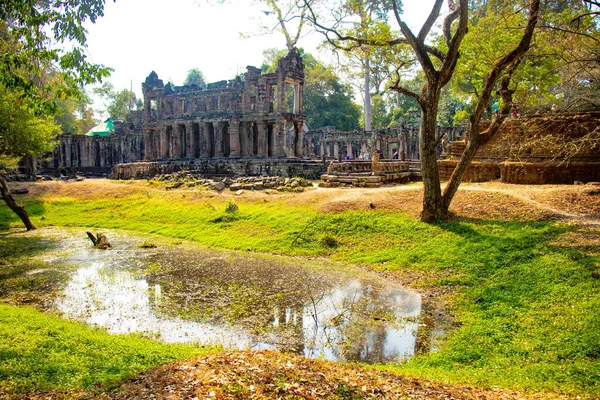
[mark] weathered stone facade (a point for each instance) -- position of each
(554, 148)
(285, 167)
(330, 143)
(244, 117)
(98, 154)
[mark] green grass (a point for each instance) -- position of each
(525, 310)
(40, 352)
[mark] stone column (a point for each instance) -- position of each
(322, 146)
(164, 143)
(349, 149)
(299, 139)
(243, 133)
(148, 142)
(189, 142)
(203, 143)
(336, 149)
(279, 137)
(234, 138)
(176, 143)
(218, 129)
(262, 139)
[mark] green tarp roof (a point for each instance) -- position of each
(104, 129)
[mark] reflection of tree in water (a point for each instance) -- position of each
(426, 326)
(286, 305)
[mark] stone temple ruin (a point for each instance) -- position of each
(254, 125)
(244, 117)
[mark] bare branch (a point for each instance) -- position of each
(433, 15)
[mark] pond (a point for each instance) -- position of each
(181, 292)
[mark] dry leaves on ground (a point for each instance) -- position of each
(271, 375)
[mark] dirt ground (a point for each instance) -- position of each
(477, 201)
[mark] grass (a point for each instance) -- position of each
(525, 309)
(40, 352)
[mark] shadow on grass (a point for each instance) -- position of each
(35, 208)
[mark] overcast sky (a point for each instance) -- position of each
(136, 37)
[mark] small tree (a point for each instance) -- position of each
(118, 104)
(33, 37)
(195, 77)
(22, 135)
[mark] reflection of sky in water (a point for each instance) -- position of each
(331, 325)
(121, 304)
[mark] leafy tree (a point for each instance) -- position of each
(195, 77)
(118, 104)
(75, 115)
(38, 39)
(22, 135)
(437, 61)
(39, 36)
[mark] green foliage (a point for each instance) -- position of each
(22, 134)
(75, 115)
(118, 104)
(36, 37)
(41, 352)
(326, 101)
(557, 69)
(195, 77)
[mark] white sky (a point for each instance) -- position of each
(136, 37)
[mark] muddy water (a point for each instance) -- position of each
(186, 293)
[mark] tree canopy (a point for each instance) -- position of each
(117, 103)
(195, 77)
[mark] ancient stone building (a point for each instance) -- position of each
(244, 117)
(330, 143)
(551, 148)
(98, 153)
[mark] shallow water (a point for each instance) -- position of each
(186, 293)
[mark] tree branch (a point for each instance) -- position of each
(433, 15)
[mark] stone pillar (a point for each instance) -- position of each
(336, 149)
(164, 143)
(279, 137)
(243, 133)
(189, 141)
(262, 139)
(218, 128)
(234, 138)
(176, 143)
(322, 146)
(349, 149)
(299, 139)
(250, 136)
(203, 149)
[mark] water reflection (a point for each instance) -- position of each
(190, 294)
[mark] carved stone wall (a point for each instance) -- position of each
(286, 167)
(554, 148)
(330, 143)
(244, 117)
(98, 154)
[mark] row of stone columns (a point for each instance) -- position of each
(332, 148)
(207, 139)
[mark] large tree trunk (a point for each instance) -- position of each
(12, 204)
(458, 174)
(432, 195)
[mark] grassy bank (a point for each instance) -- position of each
(521, 294)
(40, 352)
